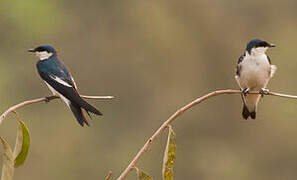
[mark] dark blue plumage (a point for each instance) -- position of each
(61, 83)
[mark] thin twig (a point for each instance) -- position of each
(108, 175)
(179, 112)
(44, 99)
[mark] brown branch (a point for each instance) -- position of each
(179, 112)
(44, 99)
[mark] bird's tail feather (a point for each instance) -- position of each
(246, 113)
(78, 113)
(89, 108)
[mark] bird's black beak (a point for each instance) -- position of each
(31, 50)
(271, 45)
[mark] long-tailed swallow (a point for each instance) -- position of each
(61, 83)
(253, 73)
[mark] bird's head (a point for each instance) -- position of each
(258, 47)
(44, 51)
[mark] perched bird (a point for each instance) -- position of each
(253, 73)
(61, 83)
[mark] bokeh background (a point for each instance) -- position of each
(154, 56)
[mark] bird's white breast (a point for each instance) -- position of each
(255, 72)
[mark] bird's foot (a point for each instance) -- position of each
(245, 91)
(264, 91)
(49, 98)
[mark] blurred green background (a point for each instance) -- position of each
(154, 56)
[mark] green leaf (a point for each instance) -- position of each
(8, 163)
(142, 175)
(108, 176)
(22, 145)
(169, 156)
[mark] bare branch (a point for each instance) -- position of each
(44, 99)
(179, 112)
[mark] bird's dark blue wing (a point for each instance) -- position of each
(67, 89)
(238, 67)
(55, 67)
(268, 59)
(240, 59)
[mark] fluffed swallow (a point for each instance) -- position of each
(253, 72)
(59, 80)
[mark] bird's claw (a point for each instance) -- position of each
(263, 92)
(47, 99)
(245, 91)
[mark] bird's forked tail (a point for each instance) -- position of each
(246, 113)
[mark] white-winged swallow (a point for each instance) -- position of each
(253, 73)
(59, 80)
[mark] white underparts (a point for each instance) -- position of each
(42, 55)
(255, 73)
(258, 51)
(255, 70)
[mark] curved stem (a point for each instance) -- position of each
(180, 112)
(45, 99)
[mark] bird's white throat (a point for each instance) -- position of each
(42, 55)
(258, 51)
